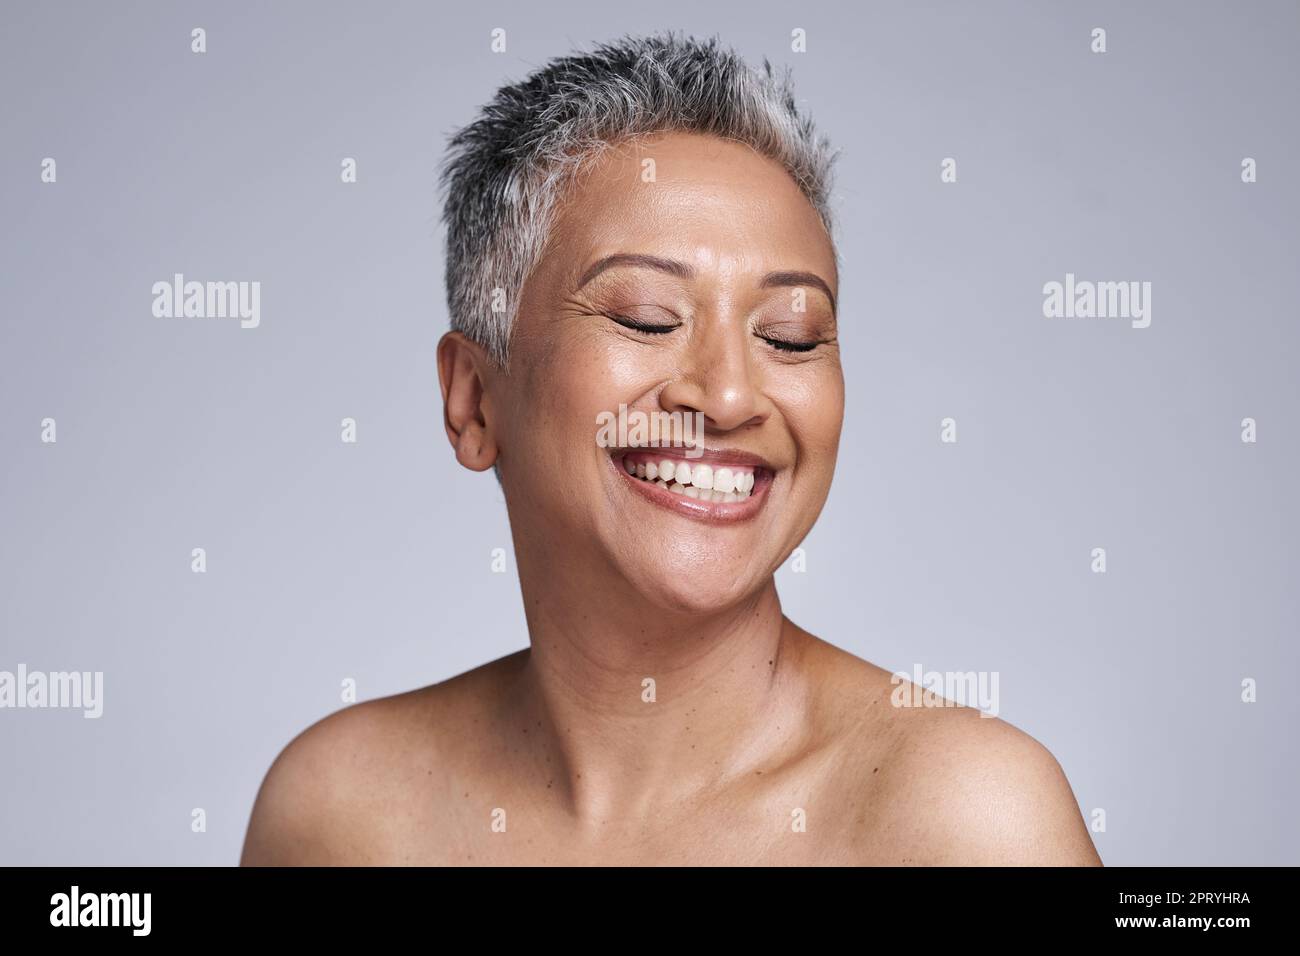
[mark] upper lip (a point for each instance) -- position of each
(712, 456)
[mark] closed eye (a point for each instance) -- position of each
(784, 345)
(652, 328)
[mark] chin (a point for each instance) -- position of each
(698, 592)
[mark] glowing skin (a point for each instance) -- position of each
(711, 210)
(752, 721)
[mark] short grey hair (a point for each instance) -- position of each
(506, 171)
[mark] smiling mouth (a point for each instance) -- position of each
(719, 486)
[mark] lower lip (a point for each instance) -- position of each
(713, 511)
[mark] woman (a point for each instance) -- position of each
(644, 231)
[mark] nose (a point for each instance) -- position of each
(717, 375)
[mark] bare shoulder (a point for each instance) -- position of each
(324, 793)
(358, 786)
(948, 785)
(991, 794)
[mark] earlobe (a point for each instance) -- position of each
(473, 450)
(462, 370)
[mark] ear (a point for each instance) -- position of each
(463, 369)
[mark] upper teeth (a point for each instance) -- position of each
(725, 483)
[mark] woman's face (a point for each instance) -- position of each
(684, 274)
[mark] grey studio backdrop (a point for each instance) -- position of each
(372, 561)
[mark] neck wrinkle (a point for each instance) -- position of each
(726, 702)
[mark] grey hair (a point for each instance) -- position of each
(506, 171)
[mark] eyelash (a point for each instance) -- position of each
(627, 323)
(781, 345)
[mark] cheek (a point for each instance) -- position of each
(625, 368)
(565, 387)
(814, 409)
(602, 370)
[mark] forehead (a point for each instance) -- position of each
(700, 199)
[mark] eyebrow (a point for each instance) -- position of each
(683, 271)
(778, 279)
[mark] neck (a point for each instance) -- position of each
(636, 708)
